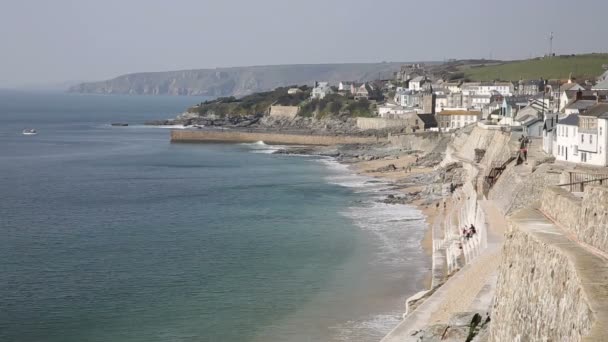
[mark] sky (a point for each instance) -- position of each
(54, 41)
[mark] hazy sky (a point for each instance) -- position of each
(48, 41)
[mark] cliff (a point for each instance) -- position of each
(236, 81)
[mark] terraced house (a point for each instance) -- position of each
(582, 138)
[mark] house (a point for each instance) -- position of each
(364, 91)
(533, 126)
(566, 143)
(449, 119)
(549, 130)
(321, 90)
(577, 107)
(593, 135)
(529, 87)
(453, 87)
(441, 101)
(602, 85)
(294, 91)
(344, 87)
(416, 83)
(407, 98)
(391, 110)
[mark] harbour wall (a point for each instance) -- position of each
(270, 138)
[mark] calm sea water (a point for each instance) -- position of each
(114, 234)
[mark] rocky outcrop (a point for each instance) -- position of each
(235, 81)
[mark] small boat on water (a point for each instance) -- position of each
(29, 131)
(120, 124)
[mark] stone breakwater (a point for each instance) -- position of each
(270, 138)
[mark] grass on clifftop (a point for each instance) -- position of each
(559, 67)
(259, 103)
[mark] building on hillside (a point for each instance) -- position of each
(488, 88)
(294, 91)
(602, 85)
(565, 143)
(549, 128)
(345, 87)
(416, 83)
(321, 90)
(593, 135)
(408, 98)
(529, 87)
(454, 100)
(450, 119)
(453, 87)
(409, 71)
(532, 126)
(580, 106)
(364, 91)
(441, 101)
(391, 110)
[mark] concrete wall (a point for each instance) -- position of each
(539, 296)
(423, 141)
(289, 112)
(382, 123)
(269, 138)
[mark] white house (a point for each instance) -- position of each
(592, 135)
(407, 98)
(449, 119)
(344, 86)
(566, 139)
(293, 91)
(416, 83)
(549, 131)
(441, 102)
(321, 90)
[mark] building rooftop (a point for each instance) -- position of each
(599, 110)
(459, 112)
(581, 104)
(601, 85)
(570, 120)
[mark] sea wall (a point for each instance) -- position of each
(288, 112)
(381, 123)
(269, 138)
(420, 141)
(563, 207)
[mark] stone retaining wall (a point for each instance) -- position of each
(563, 207)
(382, 123)
(586, 218)
(594, 218)
(269, 138)
(539, 295)
(289, 112)
(423, 141)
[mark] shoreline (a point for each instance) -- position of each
(368, 168)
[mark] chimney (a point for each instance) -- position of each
(597, 97)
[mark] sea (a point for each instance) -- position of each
(115, 234)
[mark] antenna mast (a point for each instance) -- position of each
(551, 44)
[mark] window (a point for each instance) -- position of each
(582, 138)
(575, 149)
(591, 139)
(600, 130)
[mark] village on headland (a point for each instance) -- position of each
(511, 177)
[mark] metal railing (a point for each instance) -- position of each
(579, 186)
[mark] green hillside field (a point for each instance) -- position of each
(581, 66)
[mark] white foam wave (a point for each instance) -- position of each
(370, 329)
